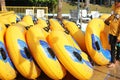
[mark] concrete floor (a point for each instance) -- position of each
(104, 73)
(100, 73)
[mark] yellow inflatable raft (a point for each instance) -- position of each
(42, 23)
(76, 33)
(7, 69)
(55, 25)
(98, 53)
(43, 54)
(104, 16)
(73, 59)
(8, 18)
(28, 20)
(20, 54)
(105, 33)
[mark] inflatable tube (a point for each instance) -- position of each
(7, 16)
(45, 30)
(42, 23)
(43, 54)
(54, 25)
(21, 25)
(5, 22)
(28, 20)
(7, 69)
(104, 36)
(6, 13)
(8, 19)
(20, 54)
(76, 33)
(73, 59)
(12, 18)
(104, 16)
(93, 42)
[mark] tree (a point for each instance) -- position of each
(59, 12)
(87, 2)
(3, 6)
(51, 4)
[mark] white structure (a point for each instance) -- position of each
(95, 14)
(40, 13)
(30, 12)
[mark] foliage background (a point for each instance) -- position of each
(52, 5)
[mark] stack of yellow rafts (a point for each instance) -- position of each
(68, 52)
(54, 48)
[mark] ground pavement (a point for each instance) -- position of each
(100, 73)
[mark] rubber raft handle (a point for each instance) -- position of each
(51, 52)
(3, 53)
(97, 45)
(27, 52)
(77, 55)
(67, 31)
(7, 25)
(46, 29)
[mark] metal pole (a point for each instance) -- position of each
(79, 16)
(81, 12)
(78, 11)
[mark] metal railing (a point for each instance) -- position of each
(35, 11)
